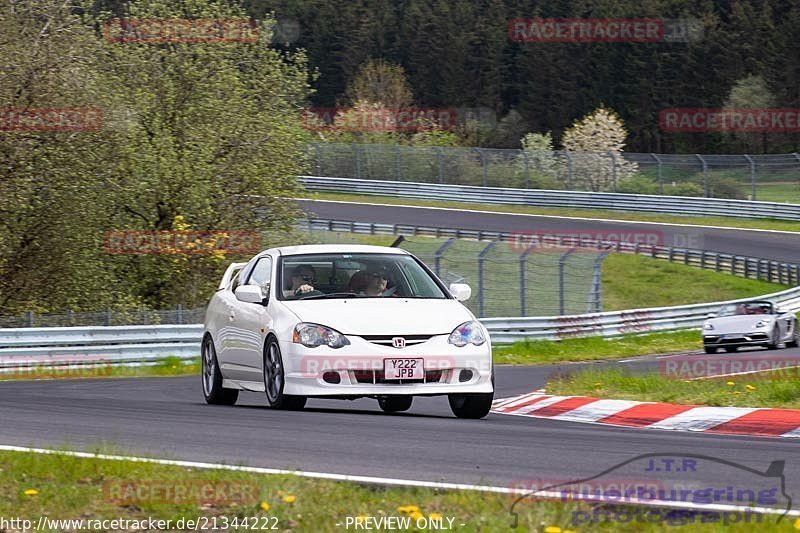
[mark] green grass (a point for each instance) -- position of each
(72, 488)
(778, 191)
(631, 281)
(533, 352)
(781, 389)
(730, 222)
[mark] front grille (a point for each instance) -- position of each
(386, 340)
(377, 377)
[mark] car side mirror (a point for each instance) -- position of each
(460, 291)
(711, 315)
(781, 310)
(250, 293)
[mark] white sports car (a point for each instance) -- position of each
(344, 321)
(756, 323)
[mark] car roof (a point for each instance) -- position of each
(337, 248)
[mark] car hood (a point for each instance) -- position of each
(737, 324)
(383, 316)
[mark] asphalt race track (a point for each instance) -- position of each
(167, 418)
(753, 243)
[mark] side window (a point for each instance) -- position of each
(261, 272)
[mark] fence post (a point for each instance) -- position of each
(705, 174)
(358, 160)
(561, 263)
(107, 316)
(570, 175)
(179, 314)
(596, 296)
(28, 319)
(440, 158)
(483, 166)
(398, 162)
(523, 282)
(437, 255)
(752, 174)
(527, 169)
(660, 182)
(319, 158)
(481, 294)
(613, 171)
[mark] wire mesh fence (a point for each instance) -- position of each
(505, 280)
(742, 176)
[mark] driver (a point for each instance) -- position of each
(303, 278)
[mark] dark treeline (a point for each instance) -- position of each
(457, 53)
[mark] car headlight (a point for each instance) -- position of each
(313, 335)
(466, 333)
(708, 326)
(763, 323)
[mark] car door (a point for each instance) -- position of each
(251, 323)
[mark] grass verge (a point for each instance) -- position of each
(779, 389)
(62, 487)
(532, 352)
(730, 222)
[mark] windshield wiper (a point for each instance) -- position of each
(331, 295)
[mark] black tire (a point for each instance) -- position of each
(272, 371)
(211, 377)
(471, 405)
(731, 349)
(774, 339)
(395, 404)
(710, 349)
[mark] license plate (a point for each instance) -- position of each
(403, 369)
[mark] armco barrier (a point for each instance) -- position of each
(738, 265)
(24, 347)
(556, 198)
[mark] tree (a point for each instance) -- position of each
(595, 145)
(750, 92)
(380, 82)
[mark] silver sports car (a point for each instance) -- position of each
(756, 323)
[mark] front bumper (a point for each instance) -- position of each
(359, 369)
(755, 338)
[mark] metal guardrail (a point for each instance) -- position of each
(557, 198)
(26, 347)
(745, 266)
(742, 176)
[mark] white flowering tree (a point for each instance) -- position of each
(594, 145)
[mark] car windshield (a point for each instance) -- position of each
(355, 275)
(749, 308)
